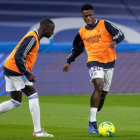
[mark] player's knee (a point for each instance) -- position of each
(15, 103)
(99, 88)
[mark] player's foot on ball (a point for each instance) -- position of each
(92, 128)
(42, 133)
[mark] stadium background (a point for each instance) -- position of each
(17, 17)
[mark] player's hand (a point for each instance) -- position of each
(113, 44)
(66, 67)
(32, 78)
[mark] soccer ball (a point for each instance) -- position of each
(106, 129)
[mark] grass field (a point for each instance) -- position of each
(66, 117)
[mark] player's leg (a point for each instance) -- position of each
(13, 103)
(30, 91)
(102, 99)
(16, 97)
(107, 83)
(96, 74)
(95, 98)
(33, 106)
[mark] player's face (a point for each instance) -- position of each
(88, 16)
(49, 31)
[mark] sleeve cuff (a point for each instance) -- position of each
(115, 40)
(68, 61)
(27, 74)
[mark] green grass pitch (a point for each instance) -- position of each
(66, 117)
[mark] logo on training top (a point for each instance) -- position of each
(93, 39)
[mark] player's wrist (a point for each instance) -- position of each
(27, 74)
(68, 61)
(114, 40)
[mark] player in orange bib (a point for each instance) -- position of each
(18, 74)
(99, 37)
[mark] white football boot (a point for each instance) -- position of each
(42, 133)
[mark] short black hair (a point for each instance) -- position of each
(86, 6)
(46, 21)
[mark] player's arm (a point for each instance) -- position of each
(117, 34)
(20, 55)
(78, 48)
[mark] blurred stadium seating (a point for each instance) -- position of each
(18, 16)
